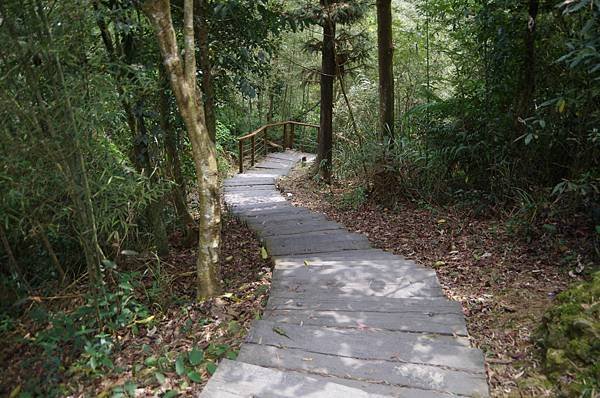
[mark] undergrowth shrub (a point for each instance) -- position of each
(38, 200)
(354, 198)
(82, 341)
(226, 147)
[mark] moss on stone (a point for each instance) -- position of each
(570, 340)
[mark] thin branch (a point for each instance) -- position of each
(189, 44)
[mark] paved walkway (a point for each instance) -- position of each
(343, 319)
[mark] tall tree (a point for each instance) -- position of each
(328, 68)
(182, 75)
(329, 14)
(384, 174)
(385, 51)
(526, 103)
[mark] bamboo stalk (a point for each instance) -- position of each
(51, 253)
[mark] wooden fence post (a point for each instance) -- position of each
(241, 155)
(292, 135)
(253, 140)
(265, 141)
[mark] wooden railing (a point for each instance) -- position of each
(261, 135)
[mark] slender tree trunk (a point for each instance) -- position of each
(526, 104)
(385, 50)
(173, 161)
(384, 178)
(304, 101)
(189, 100)
(290, 105)
(325, 147)
(73, 164)
(208, 90)
(283, 105)
(88, 229)
(349, 106)
(260, 105)
(82, 195)
(143, 163)
(13, 265)
(51, 253)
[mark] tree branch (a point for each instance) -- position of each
(189, 44)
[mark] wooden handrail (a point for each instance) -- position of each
(268, 126)
(287, 139)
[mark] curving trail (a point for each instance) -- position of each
(343, 319)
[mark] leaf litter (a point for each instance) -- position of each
(174, 353)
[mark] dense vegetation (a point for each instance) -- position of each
(491, 105)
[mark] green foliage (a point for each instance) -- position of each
(44, 135)
(584, 45)
(354, 198)
(470, 125)
(82, 340)
(570, 339)
(484, 133)
(244, 35)
(345, 12)
(226, 147)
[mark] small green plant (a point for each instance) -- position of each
(354, 198)
(7, 323)
(86, 334)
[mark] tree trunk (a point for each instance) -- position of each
(13, 265)
(178, 194)
(384, 178)
(51, 253)
(525, 105)
(142, 161)
(73, 164)
(260, 104)
(324, 150)
(208, 90)
(385, 50)
(189, 100)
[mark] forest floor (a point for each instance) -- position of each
(175, 351)
(504, 284)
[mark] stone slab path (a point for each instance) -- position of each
(343, 319)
